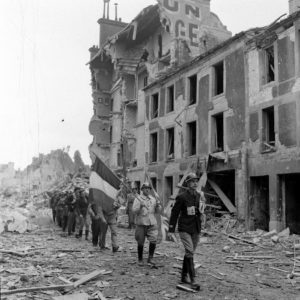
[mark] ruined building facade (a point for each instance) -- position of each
(172, 91)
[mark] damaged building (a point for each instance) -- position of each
(173, 90)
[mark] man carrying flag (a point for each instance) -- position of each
(104, 186)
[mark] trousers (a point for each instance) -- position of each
(190, 242)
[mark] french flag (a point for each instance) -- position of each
(104, 185)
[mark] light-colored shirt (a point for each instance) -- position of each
(145, 208)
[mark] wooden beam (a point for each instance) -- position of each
(223, 197)
(80, 296)
(89, 277)
(35, 289)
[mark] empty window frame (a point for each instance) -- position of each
(160, 46)
(168, 186)
(170, 98)
(138, 185)
(218, 71)
(268, 65)
(154, 105)
(153, 147)
(192, 138)
(154, 183)
(170, 143)
(110, 134)
(145, 81)
(268, 129)
(111, 104)
(218, 132)
(192, 80)
(119, 158)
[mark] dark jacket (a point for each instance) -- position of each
(81, 205)
(187, 221)
(71, 203)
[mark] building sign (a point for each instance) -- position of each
(183, 18)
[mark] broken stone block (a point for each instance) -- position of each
(275, 238)
(226, 249)
(284, 233)
(270, 234)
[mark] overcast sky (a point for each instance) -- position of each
(43, 76)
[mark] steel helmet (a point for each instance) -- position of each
(146, 185)
(191, 176)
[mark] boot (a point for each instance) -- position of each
(79, 234)
(140, 255)
(152, 247)
(86, 235)
(184, 271)
(191, 270)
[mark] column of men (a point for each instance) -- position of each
(76, 214)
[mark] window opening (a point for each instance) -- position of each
(192, 138)
(219, 78)
(153, 145)
(170, 143)
(192, 89)
(170, 99)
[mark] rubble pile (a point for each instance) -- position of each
(24, 211)
(247, 265)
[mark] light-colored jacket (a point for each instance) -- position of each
(145, 208)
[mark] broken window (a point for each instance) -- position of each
(110, 133)
(145, 81)
(138, 185)
(168, 187)
(170, 143)
(192, 138)
(154, 106)
(154, 183)
(269, 65)
(218, 132)
(111, 104)
(153, 147)
(170, 98)
(119, 158)
(192, 89)
(268, 129)
(218, 79)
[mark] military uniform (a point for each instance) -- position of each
(145, 207)
(187, 211)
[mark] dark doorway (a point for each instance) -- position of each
(225, 180)
(259, 203)
(289, 196)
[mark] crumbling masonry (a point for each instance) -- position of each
(173, 90)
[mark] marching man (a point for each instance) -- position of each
(145, 206)
(187, 210)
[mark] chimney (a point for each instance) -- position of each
(294, 5)
(116, 11)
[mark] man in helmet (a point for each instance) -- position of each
(145, 206)
(187, 211)
(130, 199)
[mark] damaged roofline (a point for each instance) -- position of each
(203, 56)
(269, 30)
(132, 25)
(263, 32)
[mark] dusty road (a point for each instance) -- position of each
(50, 255)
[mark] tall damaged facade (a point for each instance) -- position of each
(172, 91)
